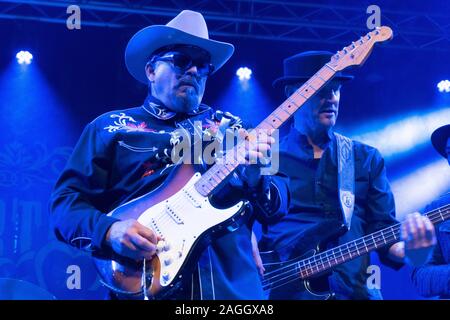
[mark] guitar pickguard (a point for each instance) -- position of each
(186, 222)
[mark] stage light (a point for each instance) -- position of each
(244, 73)
(402, 135)
(444, 86)
(250, 100)
(24, 57)
(414, 190)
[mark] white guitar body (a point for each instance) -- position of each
(185, 220)
(180, 221)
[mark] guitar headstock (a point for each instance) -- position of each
(356, 53)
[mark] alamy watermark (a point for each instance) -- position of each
(374, 279)
(233, 147)
(374, 20)
(74, 279)
(73, 22)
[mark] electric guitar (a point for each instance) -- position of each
(303, 271)
(180, 212)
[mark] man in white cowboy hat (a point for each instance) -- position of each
(124, 154)
(319, 193)
(433, 279)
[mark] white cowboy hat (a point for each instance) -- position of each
(188, 28)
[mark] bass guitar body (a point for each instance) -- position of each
(283, 280)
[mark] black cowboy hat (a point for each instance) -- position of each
(302, 66)
(439, 139)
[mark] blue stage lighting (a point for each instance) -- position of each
(414, 190)
(24, 57)
(244, 73)
(444, 86)
(402, 135)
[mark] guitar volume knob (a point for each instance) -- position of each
(162, 246)
(166, 276)
(167, 261)
(166, 246)
(159, 247)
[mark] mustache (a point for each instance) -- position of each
(329, 108)
(189, 81)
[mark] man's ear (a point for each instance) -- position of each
(150, 72)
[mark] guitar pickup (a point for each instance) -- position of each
(194, 202)
(171, 212)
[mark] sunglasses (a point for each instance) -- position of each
(183, 62)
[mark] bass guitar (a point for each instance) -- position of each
(303, 271)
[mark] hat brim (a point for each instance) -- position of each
(439, 139)
(152, 38)
(282, 81)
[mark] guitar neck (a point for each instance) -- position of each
(223, 168)
(351, 250)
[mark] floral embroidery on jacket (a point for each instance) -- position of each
(128, 124)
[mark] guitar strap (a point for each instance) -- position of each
(202, 278)
(346, 176)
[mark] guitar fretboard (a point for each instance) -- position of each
(343, 253)
(222, 169)
(322, 262)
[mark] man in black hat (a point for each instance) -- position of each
(433, 279)
(127, 153)
(309, 158)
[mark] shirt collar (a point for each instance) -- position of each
(157, 109)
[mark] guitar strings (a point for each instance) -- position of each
(238, 145)
(270, 282)
(329, 253)
(323, 258)
(294, 272)
(309, 270)
(163, 220)
(295, 269)
(438, 215)
(316, 76)
(357, 242)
